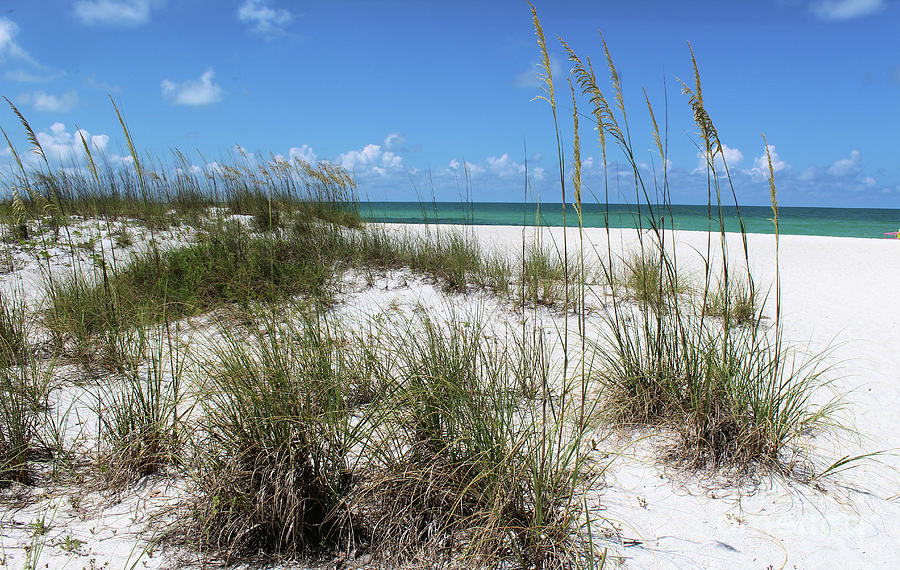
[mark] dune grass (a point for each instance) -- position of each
(737, 301)
(227, 267)
(275, 461)
(733, 389)
(24, 385)
(140, 410)
(476, 474)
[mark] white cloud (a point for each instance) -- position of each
(846, 9)
(9, 49)
(59, 143)
(267, 22)
(193, 170)
(20, 76)
(248, 156)
(869, 181)
(809, 174)
(371, 158)
(504, 165)
(127, 13)
(760, 170)
(303, 152)
(529, 79)
(394, 141)
(42, 101)
(733, 157)
(455, 167)
(846, 166)
(213, 168)
(192, 92)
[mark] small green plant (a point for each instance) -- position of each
(544, 276)
(71, 544)
(124, 237)
(736, 300)
(647, 280)
(496, 274)
(88, 312)
(39, 526)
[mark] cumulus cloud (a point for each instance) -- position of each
(127, 13)
(504, 165)
(265, 21)
(760, 170)
(499, 167)
(303, 152)
(849, 166)
(42, 101)
(193, 92)
(9, 48)
(371, 158)
(457, 167)
(63, 145)
(733, 157)
(846, 9)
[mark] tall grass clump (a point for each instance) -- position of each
(13, 340)
(543, 276)
(475, 477)
(141, 421)
(24, 385)
(737, 301)
(277, 442)
(734, 391)
(646, 281)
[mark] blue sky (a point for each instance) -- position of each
(402, 92)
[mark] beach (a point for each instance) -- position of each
(837, 301)
(540, 300)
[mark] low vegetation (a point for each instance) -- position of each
(275, 460)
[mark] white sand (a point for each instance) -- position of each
(841, 294)
(837, 293)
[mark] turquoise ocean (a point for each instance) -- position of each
(844, 222)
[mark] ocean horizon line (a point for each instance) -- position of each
(872, 223)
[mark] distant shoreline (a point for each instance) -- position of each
(869, 223)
